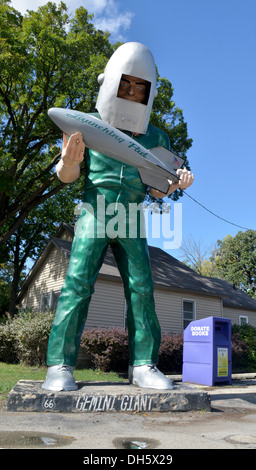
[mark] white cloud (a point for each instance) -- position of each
(116, 25)
(24, 5)
(96, 6)
(107, 15)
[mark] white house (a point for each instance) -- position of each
(181, 294)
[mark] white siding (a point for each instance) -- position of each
(107, 305)
(208, 307)
(108, 302)
(169, 308)
(49, 278)
(234, 313)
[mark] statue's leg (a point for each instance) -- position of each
(143, 326)
(86, 259)
(144, 330)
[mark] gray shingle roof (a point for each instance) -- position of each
(234, 296)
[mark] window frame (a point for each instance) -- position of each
(49, 301)
(185, 299)
(243, 317)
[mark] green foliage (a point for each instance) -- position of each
(244, 347)
(32, 332)
(235, 260)
(25, 338)
(5, 286)
(7, 343)
(168, 117)
(171, 353)
(107, 348)
(46, 59)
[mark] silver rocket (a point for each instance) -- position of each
(155, 166)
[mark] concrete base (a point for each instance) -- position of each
(29, 395)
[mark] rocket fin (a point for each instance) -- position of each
(168, 157)
(154, 181)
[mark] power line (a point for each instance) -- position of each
(215, 215)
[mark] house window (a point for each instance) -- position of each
(49, 301)
(243, 320)
(189, 312)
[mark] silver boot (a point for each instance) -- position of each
(148, 376)
(60, 378)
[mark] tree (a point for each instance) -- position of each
(47, 59)
(235, 260)
(196, 256)
(6, 275)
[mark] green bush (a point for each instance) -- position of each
(25, 338)
(244, 347)
(107, 348)
(171, 353)
(7, 343)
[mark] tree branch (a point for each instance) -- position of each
(9, 108)
(20, 203)
(33, 203)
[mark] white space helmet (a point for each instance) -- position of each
(136, 60)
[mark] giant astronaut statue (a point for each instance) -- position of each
(127, 91)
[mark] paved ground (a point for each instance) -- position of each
(231, 424)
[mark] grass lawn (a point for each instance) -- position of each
(10, 374)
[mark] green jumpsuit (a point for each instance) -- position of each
(112, 182)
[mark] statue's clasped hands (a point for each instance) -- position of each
(186, 179)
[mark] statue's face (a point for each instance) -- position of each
(132, 89)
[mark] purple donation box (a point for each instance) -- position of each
(207, 351)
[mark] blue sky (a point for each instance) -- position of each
(206, 48)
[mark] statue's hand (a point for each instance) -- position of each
(73, 149)
(186, 179)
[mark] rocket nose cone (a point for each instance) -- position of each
(56, 111)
